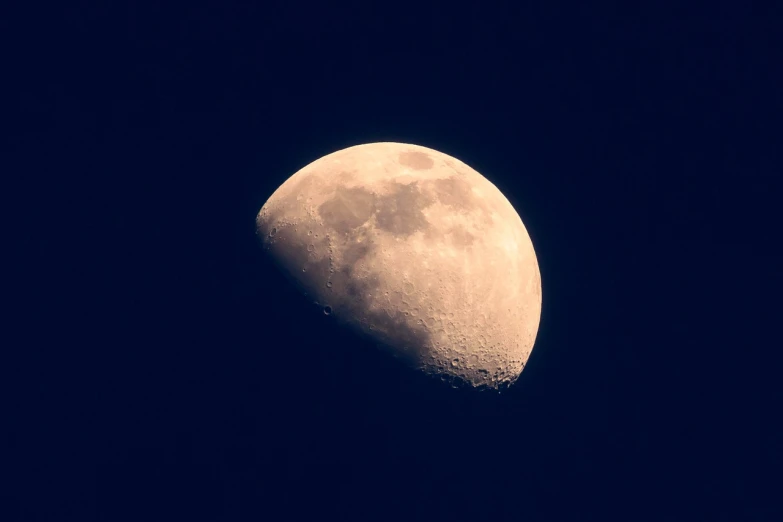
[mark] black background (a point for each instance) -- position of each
(162, 370)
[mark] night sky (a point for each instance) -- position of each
(162, 368)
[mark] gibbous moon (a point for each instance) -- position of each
(416, 250)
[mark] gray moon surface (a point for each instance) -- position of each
(417, 251)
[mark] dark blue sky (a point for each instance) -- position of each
(167, 373)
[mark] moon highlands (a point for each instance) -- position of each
(415, 250)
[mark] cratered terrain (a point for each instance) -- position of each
(416, 250)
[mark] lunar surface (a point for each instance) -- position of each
(416, 250)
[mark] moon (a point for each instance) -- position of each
(417, 251)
